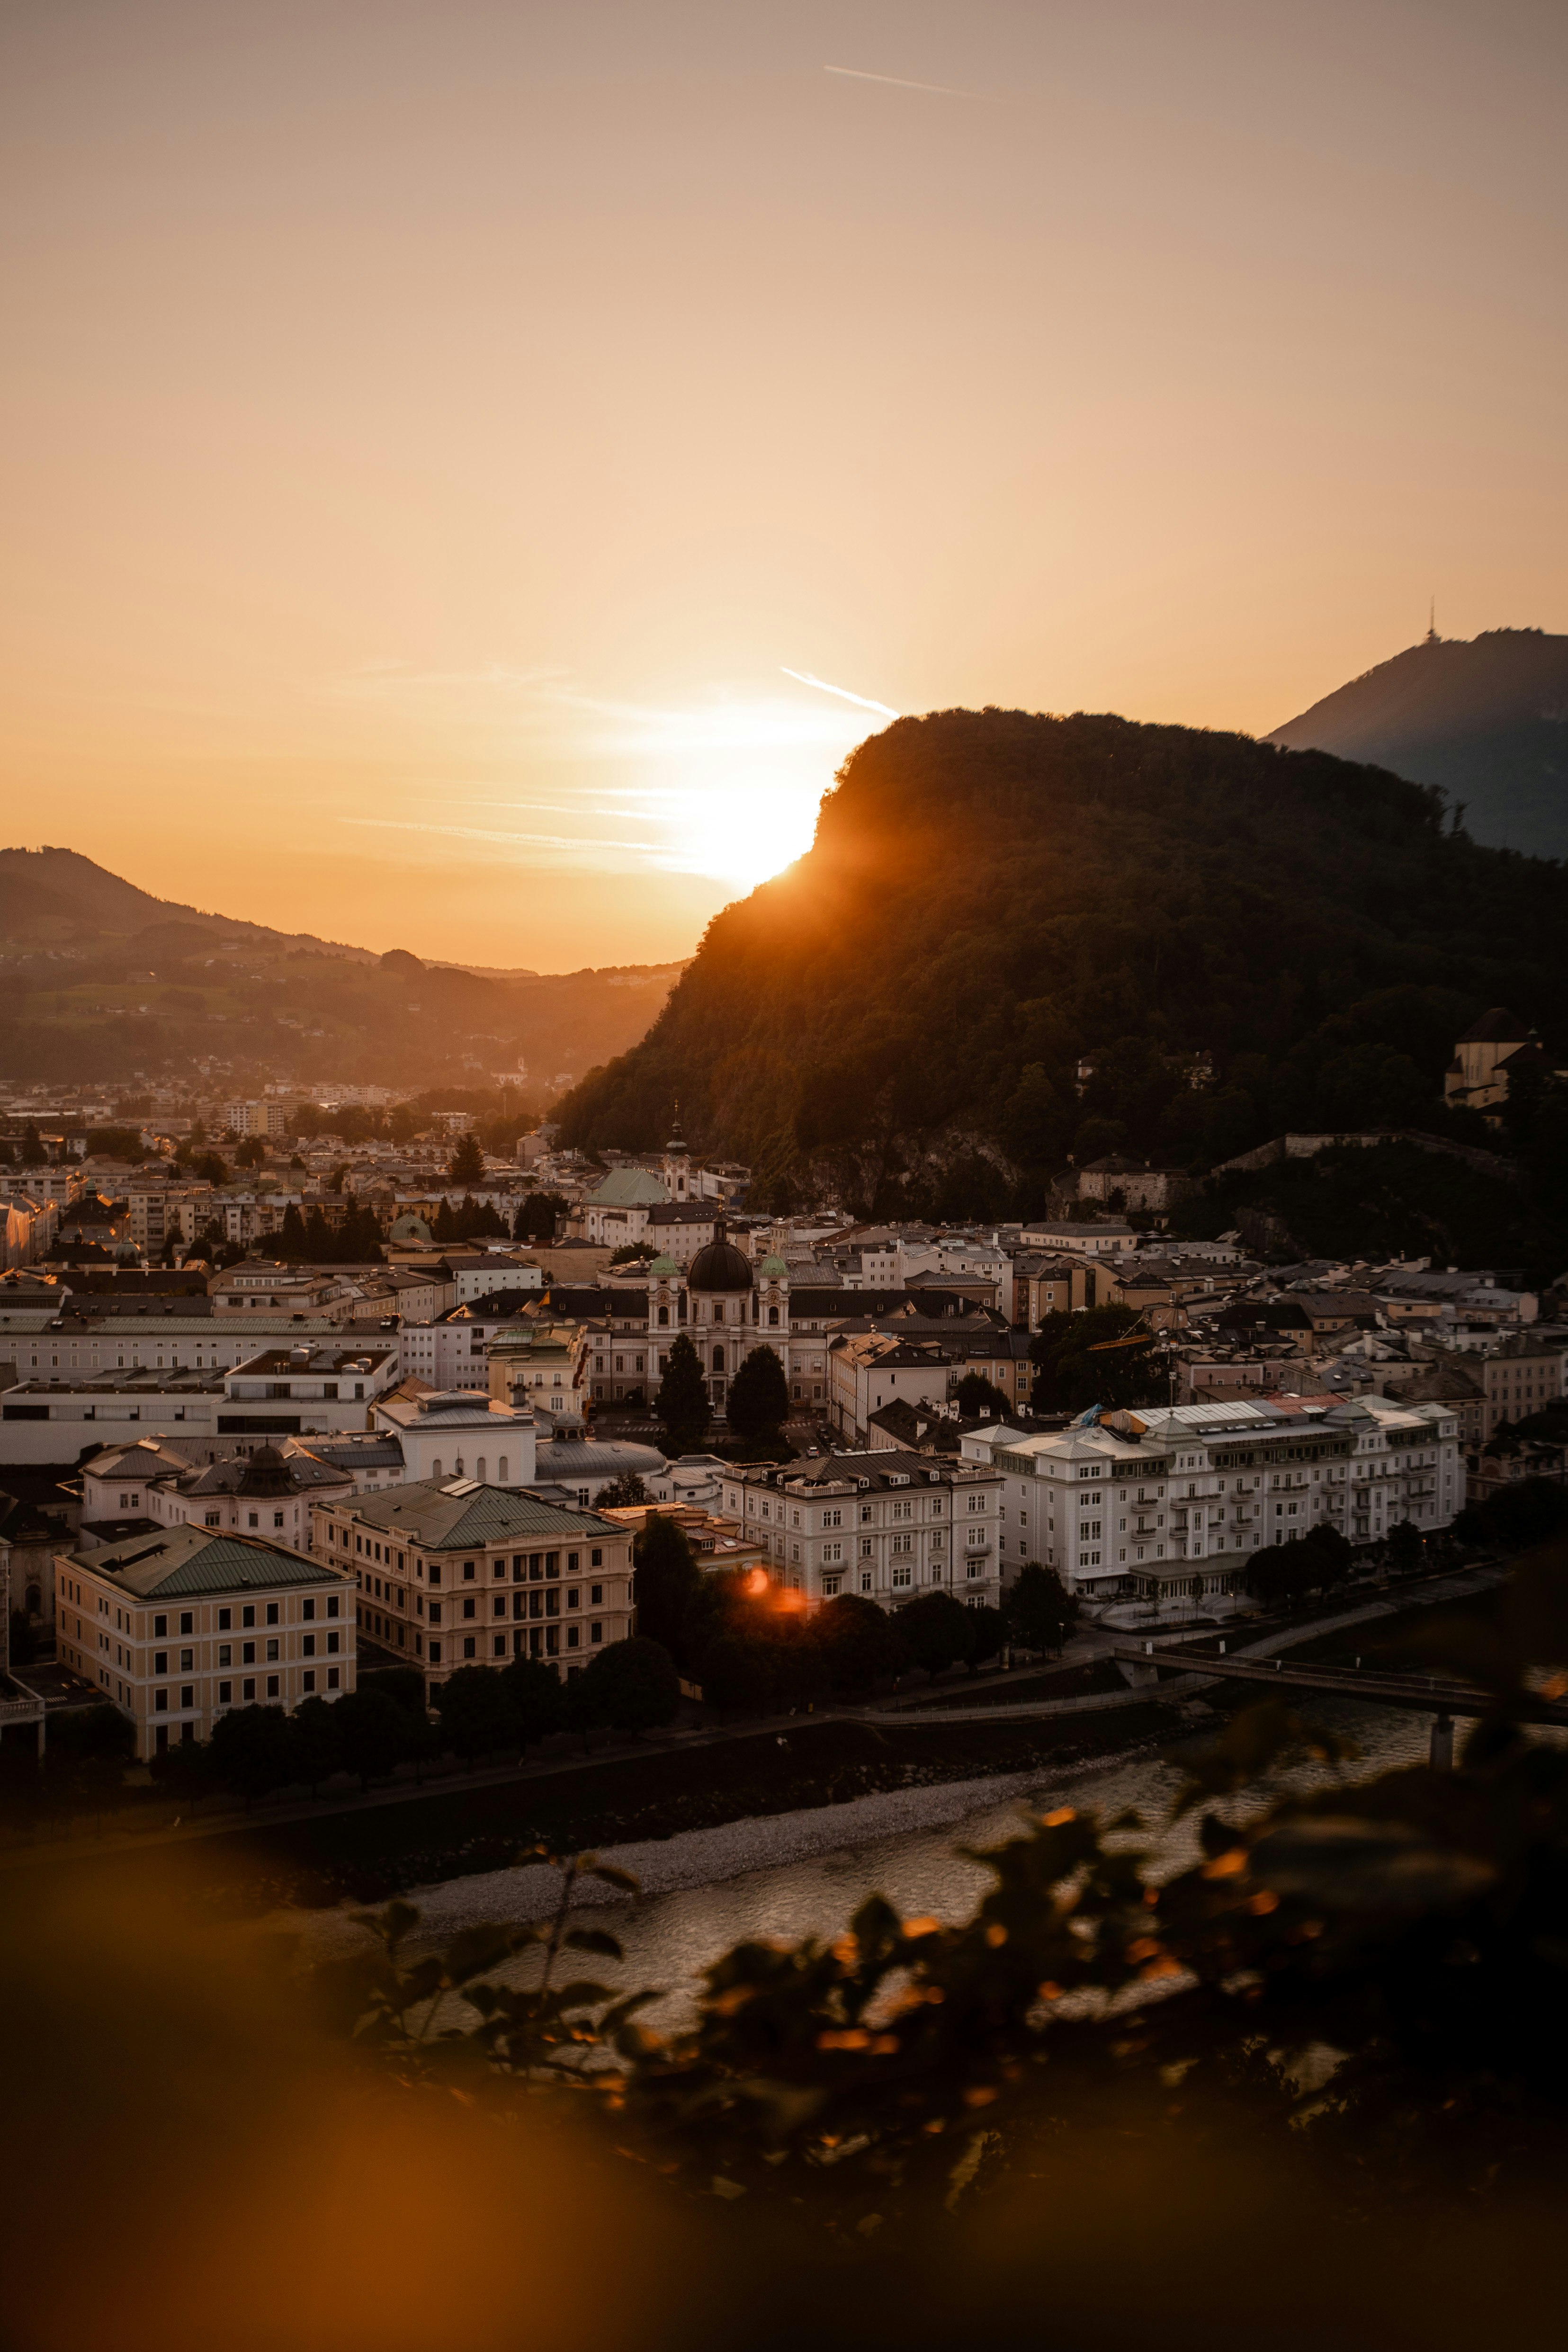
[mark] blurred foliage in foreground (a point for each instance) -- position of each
(1315, 2080)
(1378, 1970)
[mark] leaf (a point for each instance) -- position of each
(593, 1939)
(1535, 1607)
(1346, 1863)
(475, 1950)
(614, 2018)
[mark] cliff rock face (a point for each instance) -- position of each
(1486, 719)
(1080, 934)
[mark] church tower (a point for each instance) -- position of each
(676, 1165)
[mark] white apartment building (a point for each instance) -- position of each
(1170, 1503)
(889, 1525)
(177, 1627)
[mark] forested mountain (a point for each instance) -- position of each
(100, 980)
(1486, 720)
(993, 896)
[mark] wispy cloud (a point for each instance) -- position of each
(804, 678)
(590, 841)
(932, 89)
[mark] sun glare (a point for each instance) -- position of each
(734, 788)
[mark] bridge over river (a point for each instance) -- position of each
(1436, 1694)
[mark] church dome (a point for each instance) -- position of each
(664, 1268)
(774, 1269)
(267, 1473)
(719, 1266)
(410, 1229)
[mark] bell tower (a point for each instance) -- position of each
(676, 1165)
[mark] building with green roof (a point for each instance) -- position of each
(175, 1626)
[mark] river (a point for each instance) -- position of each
(670, 1937)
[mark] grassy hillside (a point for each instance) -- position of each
(992, 895)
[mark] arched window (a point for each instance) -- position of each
(479, 1469)
(436, 1468)
(773, 1317)
(501, 1470)
(718, 1359)
(458, 1469)
(664, 1317)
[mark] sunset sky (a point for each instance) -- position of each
(433, 433)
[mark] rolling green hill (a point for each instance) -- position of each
(994, 896)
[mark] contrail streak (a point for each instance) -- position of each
(932, 89)
(804, 679)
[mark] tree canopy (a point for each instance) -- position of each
(1160, 901)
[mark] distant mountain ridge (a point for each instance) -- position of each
(42, 890)
(1485, 718)
(104, 979)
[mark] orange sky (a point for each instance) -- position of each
(432, 431)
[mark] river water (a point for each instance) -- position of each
(669, 1937)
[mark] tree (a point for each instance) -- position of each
(1069, 1376)
(634, 1685)
(536, 1698)
(291, 1242)
(1039, 1610)
(466, 1165)
(622, 1493)
(377, 1734)
(33, 1154)
(758, 1400)
(252, 1751)
(184, 1770)
(251, 1153)
(681, 1401)
(666, 1582)
(938, 1630)
(1281, 1574)
(631, 1253)
(478, 1716)
(316, 1742)
(88, 1748)
(739, 1677)
(858, 1642)
(535, 1218)
(1405, 1548)
(990, 1634)
(580, 1710)
(1331, 1553)
(981, 1400)
(209, 1167)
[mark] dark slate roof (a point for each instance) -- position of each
(460, 1514)
(1496, 1026)
(182, 1562)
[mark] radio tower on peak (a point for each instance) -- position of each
(1432, 637)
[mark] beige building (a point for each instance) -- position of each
(888, 1524)
(454, 1573)
(1488, 1056)
(177, 1626)
(1520, 1377)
